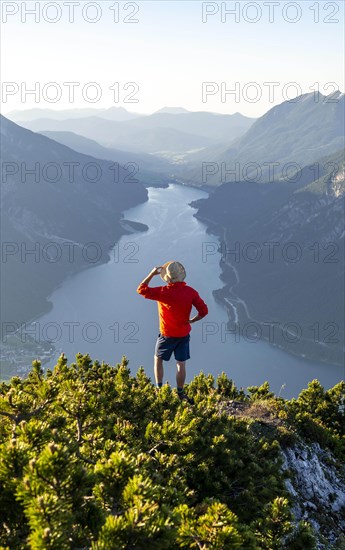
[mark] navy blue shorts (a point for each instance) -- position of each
(166, 345)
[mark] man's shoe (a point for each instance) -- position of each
(183, 397)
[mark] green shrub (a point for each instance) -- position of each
(94, 457)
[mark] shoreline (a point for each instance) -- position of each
(221, 295)
(125, 231)
(10, 355)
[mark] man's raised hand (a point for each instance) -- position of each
(156, 270)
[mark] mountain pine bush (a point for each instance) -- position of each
(95, 458)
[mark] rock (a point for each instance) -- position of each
(317, 488)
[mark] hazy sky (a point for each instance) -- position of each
(169, 52)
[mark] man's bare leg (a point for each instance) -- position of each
(158, 370)
(181, 373)
(180, 379)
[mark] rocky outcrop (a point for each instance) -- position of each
(317, 487)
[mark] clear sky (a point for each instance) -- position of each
(169, 52)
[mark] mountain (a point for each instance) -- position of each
(147, 169)
(73, 199)
(287, 243)
(122, 136)
(296, 132)
(172, 110)
(113, 113)
(158, 133)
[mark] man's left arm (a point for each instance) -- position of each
(201, 308)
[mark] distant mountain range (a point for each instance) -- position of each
(287, 243)
(54, 218)
(113, 113)
(172, 110)
(299, 131)
(161, 133)
(147, 169)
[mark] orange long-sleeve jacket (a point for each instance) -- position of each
(175, 301)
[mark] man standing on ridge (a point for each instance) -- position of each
(175, 301)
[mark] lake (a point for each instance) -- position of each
(99, 312)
